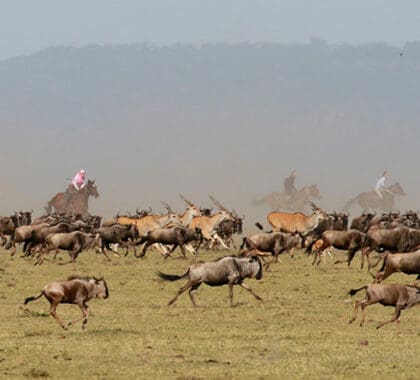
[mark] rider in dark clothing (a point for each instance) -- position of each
(289, 184)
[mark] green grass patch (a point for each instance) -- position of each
(300, 330)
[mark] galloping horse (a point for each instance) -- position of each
(278, 201)
(78, 203)
(370, 201)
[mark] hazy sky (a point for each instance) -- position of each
(28, 26)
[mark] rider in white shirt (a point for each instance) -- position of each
(380, 185)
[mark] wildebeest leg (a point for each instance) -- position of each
(395, 317)
(180, 291)
(356, 309)
(85, 313)
(246, 287)
(143, 252)
(350, 255)
(182, 248)
(231, 294)
(54, 304)
(363, 305)
(166, 255)
(192, 292)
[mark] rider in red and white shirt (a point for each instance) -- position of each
(79, 180)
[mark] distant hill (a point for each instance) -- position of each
(149, 122)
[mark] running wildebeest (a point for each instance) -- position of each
(351, 240)
(270, 244)
(228, 270)
(408, 263)
(75, 290)
(400, 296)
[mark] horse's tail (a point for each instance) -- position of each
(172, 277)
(350, 203)
(29, 299)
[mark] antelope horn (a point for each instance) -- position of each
(186, 201)
(168, 208)
(137, 211)
(129, 213)
(118, 214)
(217, 203)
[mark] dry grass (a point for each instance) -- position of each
(300, 330)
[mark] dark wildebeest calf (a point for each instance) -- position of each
(408, 263)
(228, 270)
(75, 290)
(400, 296)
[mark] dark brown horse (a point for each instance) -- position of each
(370, 200)
(78, 203)
(283, 201)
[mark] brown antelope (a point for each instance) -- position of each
(149, 222)
(208, 224)
(296, 222)
(190, 212)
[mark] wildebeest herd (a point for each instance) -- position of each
(393, 236)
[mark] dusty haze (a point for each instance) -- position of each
(150, 122)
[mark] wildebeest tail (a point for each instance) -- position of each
(259, 225)
(352, 292)
(172, 277)
(29, 299)
(243, 243)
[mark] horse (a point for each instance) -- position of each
(369, 201)
(75, 290)
(78, 203)
(278, 201)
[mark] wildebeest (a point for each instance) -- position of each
(227, 228)
(400, 296)
(228, 270)
(73, 242)
(296, 222)
(270, 244)
(118, 234)
(399, 239)
(75, 290)
(176, 236)
(351, 240)
(408, 263)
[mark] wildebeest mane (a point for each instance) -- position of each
(82, 278)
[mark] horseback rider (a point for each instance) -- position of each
(76, 184)
(380, 188)
(289, 185)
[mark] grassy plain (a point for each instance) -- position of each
(301, 329)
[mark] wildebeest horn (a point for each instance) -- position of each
(137, 211)
(118, 214)
(186, 201)
(217, 203)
